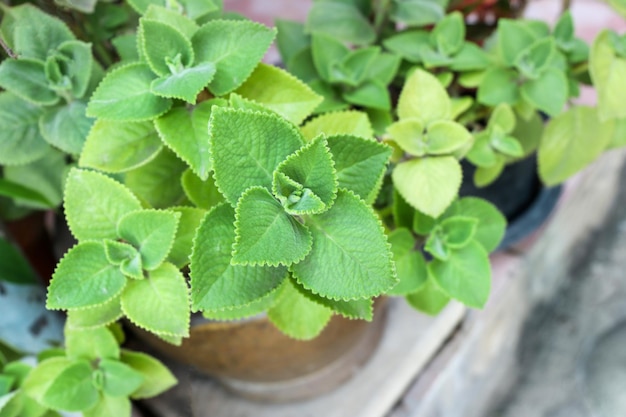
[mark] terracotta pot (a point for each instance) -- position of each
(257, 361)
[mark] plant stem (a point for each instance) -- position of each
(8, 50)
(381, 14)
(565, 5)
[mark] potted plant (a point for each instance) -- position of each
(209, 182)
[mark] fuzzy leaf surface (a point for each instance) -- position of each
(341, 20)
(159, 303)
(341, 264)
(97, 316)
(188, 223)
(120, 380)
(360, 164)
(281, 92)
(216, 284)
(126, 94)
(186, 133)
(20, 139)
(152, 232)
(246, 147)
(84, 278)
(204, 194)
(156, 377)
(94, 204)
(185, 84)
(297, 315)
(26, 78)
(235, 47)
(424, 97)
(114, 146)
(66, 127)
(72, 389)
(547, 93)
(91, 344)
(265, 233)
(348, 122)
(162, 44)
(428, 184)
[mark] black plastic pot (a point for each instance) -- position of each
(518, 194)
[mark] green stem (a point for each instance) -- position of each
(381, 14)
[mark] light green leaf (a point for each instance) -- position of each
(458, 231)
(120, 380)
(165, 48)
(235, 47)
(362, 309)
(327, 54)
(449, 33)
(499, 85)
(491, 223)
(350, 258)
(159, 303)
(41, 377)
(570, 142)
(408, 44)
(486, 175)
(445, 137)
(265, 233)
(84, 278)
(349, 122)
(125, 94)
(370, 94)
(465, 276)
(503, 117)
(181, 20)
(94, 204)
(513, 38)
(101, 315)
(291, 38)
(360, 164)
(417, 12)
(185, 84)
(203, 194)
(341, 20)
(158, 182)
(297, 315)
(508, 146)
(238, 165)
(422, 223)
(109, 406)
(156, 377)
(66, 127)
(608, 71)
(470, 58)
(409, 134)
(428, 184)
(410, 263)
(20, 139)
(533, 60)
(126, 256)
(482, 154)
(384, 68)
(152, 232)
(72, 389)
(529, 133)
(424, 97)
(91, 344)
(215, 283)
(26, 78)
(281, 92)
(114, 146)
(188, 223)
(548, 93)
(258, 306)
(295, 199)
(429, 299)
(71, 64)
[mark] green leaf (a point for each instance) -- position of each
(548, 93)
(513, 38)
(410, 263)
(508, 145)
(72, 63)
(428, 184)
(424, 97)
(152, 232)
(281, 92)
(417, 12)
(429, 299)
(66, 127)
(93, 317)
(533, 60)
(291, 38)
(238, 165)
(72, 389)
(422, 223)
(159, 303)
(41, 377)
(109, 406)
(465, 276)
(408, 44)
(311, 167)
(235, 47)
(436, 245)
(449, 34)
(258, 306)
(370, 94)
(491, 223)
(216, 284)
(20, 139)
(608, 71)
(499, 85)
(156, 377)
(409, 134)
(26, 78)
(362, 309)
(94, 204)
(265, 233)
(357, 64)
(14, 268)
(126, 47)
(482, 154)
(470, 58)
(340, 20)
(384, 68)
(445, 137)
(120, 380)
(360, 164)
(529, 133)
(297, 315)
(503, 117)
(84, 278)
(185, 84)
(350, 258)
(327, 54)
(34, 32)
(188, 223)
(203, 194)
(332, 97)
(458, 231)
(92, 344)
(348, 122)
(486, 175)
(114, 146)
(19, 192)
(158, 182)
(295, 199)
(182, 20)
(6, 382)
(165, 48)
(570, 142)
(126, 94)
